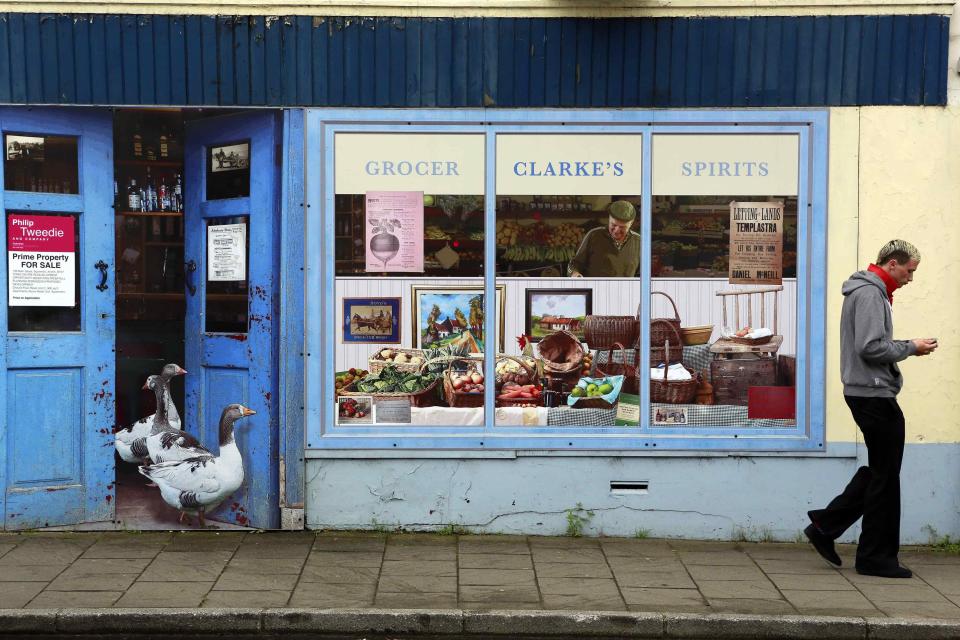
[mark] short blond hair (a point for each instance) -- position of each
(899, 250)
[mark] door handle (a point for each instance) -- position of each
(102, 267)
(191, 268)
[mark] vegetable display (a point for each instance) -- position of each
(393, 380)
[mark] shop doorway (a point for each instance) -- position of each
(109, 280)
(194, 191)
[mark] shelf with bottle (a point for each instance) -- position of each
(147, 196)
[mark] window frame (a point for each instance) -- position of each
(321, 310)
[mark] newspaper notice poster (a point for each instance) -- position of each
(227, 252)
(41, 261)
(394, 232)
(756, 242)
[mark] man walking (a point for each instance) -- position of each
(871, 381)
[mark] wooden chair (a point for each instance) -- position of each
(746, 298)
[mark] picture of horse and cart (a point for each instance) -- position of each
(371, 320)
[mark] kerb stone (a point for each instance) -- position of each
(722, 626)
(321, 621)
(167, 621)
(570, 625)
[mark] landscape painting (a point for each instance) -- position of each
(452, 315)
(550, 310)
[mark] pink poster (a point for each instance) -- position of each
(394, 231)
(41, 261)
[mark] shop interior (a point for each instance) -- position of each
(417, 336)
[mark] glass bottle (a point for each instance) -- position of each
(133, 196)
(137, 141)
(178, 194)
(164, 145)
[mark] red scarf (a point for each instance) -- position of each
(888, 280)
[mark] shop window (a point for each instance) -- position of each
(43, 287)
(40, 163)
(644, 287)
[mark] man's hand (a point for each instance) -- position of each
(924, 346)
(575, 274)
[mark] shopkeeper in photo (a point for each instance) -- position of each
(612, 251)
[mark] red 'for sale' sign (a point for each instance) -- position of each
(41, 261)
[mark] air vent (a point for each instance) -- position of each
(629, 486)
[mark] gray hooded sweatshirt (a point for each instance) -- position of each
(868, 352)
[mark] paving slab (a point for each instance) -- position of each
(583, 603)
(243, 580)
(417, 584)
(901, 593)
(410, 552)
(421, 568)
(186, 566)
(505, 577)
(570, 555)
(823, 602)
(15, 595)
(759, 589)
(203, 541)
(722, 558)
(498, 606)
(578, 586)
(324, 596)
(346, 543)
(488, 593)
(803, 566)
(341, 575)
(83, 581)
(725, 572)
(246, 599)
(655, 579)
(666, 598)
(4, 548)
(636, 548)
(473, 545)
(495, 561)
(266, 565)
(31, 573)
(346, 559)
(811, 582)
(416, 600)
(578, 570)
(752, 606)
(70, 599)
(947, 610)
(164, 594)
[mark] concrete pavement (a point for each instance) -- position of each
(274, 578)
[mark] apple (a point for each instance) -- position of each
(427, 201)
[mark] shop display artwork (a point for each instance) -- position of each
(355, 410)
(24, 148)
(452, 315)
(394, 231)
(756, 242)
(227, 252)
(230, 157)
(670, 415)
(550, 310)
(371, 320)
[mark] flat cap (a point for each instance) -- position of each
(623, 210)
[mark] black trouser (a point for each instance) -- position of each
(874, 491)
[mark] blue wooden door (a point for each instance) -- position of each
(57, 318)
(232, 274)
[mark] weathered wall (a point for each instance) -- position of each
(518, 8)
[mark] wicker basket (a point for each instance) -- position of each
(428, 397)
(561, 353)
(376, 365)
(592, 403)
(672, 351)
(660, 328)
(674, 391)
(601, 332)
(631, 383)
(519, 402)
(460, 399)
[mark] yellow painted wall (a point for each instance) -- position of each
(516, 8)
(895, 172)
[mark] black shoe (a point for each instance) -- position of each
(823, 545)
(894, 572)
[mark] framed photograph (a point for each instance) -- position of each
(228, 171)
(371, 320)
(550, 310)
(445, 315)
(355, 410)
(231, 157)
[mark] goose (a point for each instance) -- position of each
(124, 439)
(169, 444)
(199, 484)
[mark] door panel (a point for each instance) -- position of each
(231, 324)
(57, 362)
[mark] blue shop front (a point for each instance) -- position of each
(298, 284)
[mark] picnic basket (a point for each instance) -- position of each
(631, 383)
(562, 356)
(672, 351)
(673, 391)
(600, 332)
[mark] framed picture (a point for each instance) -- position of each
(371, 320)
(550, 310)
(445, 315)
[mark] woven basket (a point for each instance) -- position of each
(601, 332)
(592, 403)
(428, 397)
(674, 391)
(660, 328)
(376, 365)
(561, 353)
(631, 383)
(460, 399)
(749, 341)
(672, 351)
(519, 402)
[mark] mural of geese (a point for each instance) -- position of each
(135, 433)
(197, 485)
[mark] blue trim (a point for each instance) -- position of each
(319, 413)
